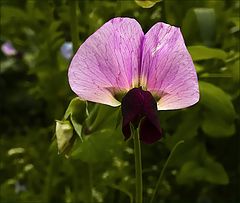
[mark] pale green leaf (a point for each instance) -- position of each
(146, 3)
(199, 52)
(77, 127)
(99, 146)
(219, 114)
(210, 171)
(78, 109)
(216, 100)
(200, 24)
(186, 129)
(216, 126)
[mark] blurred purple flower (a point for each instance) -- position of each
(153, 71)
(67, 50)
(8, 49)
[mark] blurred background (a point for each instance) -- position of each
(36, 49)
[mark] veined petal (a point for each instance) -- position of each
(107, 62)
(167, 69)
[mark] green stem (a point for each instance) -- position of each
(89, 197)
(49, 177)
(125, 191)
(73, 23)
(163, 170)
(138, 166)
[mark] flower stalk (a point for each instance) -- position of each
(138, 165)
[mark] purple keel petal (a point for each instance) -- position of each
(150, 131)
(139, 105)
(167, 68)
(107, 62)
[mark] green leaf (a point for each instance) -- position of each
(146, 3)
(186, 129)
(77, 109)
(198, 67)
(219, 115)
(210, 171)
(207, 23)
(216, 126)
(200, 24)
(9, 14)
(235, 70)
(77, 127)
(97, 147)
(235, 21)
(216, 100)
(216, 173)
(191, 150)
(103, 116)
(122, 189)
(204, 53)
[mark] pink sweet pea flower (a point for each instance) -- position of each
(8, 49)
(152, 71)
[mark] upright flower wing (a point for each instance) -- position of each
(107, 62)
(167, 68)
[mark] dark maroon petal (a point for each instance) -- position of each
(131, 109)
(139, 105)
(149, 133)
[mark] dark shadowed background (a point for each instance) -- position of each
(35, 92)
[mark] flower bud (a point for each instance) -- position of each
(64, 135)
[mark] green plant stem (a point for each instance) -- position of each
(89, 197)
(163, 170)
(138, 166)
(125, 191)
(49, 177)
(73, 23)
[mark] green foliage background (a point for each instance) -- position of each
(34, 92)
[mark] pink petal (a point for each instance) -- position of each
(167, 68)
(8, 49)
(107, 62)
